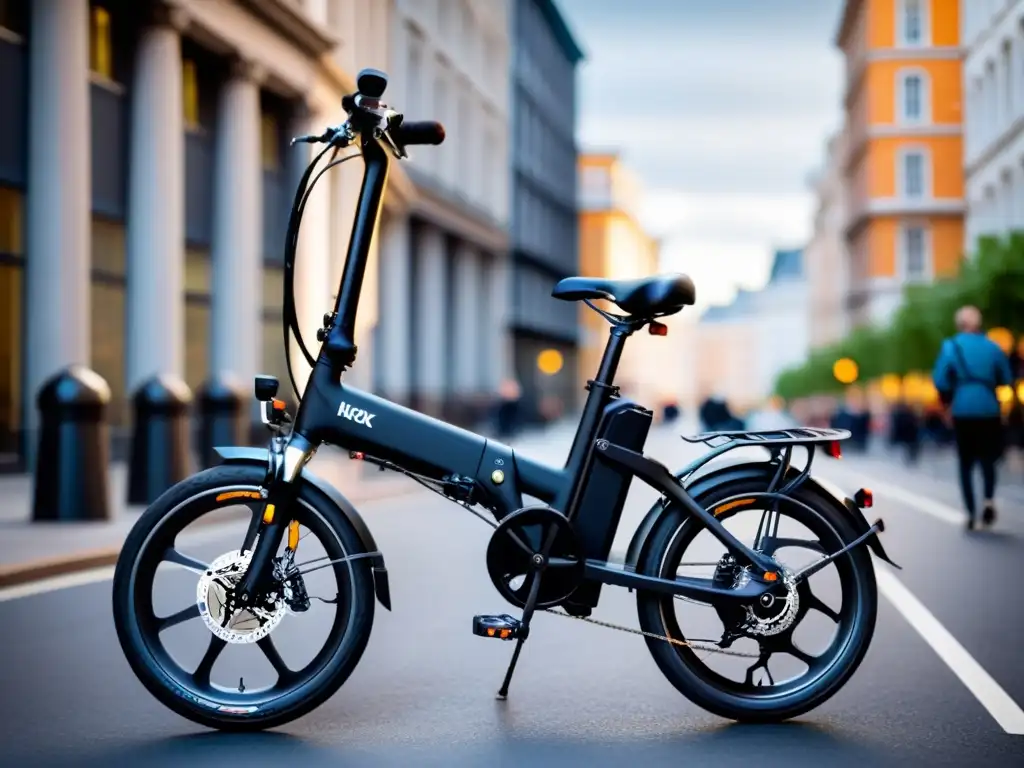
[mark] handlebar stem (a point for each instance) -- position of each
(340, 348)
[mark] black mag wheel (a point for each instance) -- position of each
(230, 668)
(801, 646)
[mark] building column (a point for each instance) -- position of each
(430, 327)
(471, 317)
(393, 356)
(57, 279)
(156, 207)
(497, 363)
(237, 247)
(313, 257)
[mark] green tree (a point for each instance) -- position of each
(991, 279)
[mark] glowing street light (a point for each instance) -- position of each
(1002, 338)
(845, 370)
(549, 362)
(1005, 394)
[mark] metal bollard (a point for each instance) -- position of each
(73, 461)
(223, 418)
(160, 444)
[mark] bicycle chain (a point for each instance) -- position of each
(694, 645)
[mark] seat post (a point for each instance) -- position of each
(600, 391)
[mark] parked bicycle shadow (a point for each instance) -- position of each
(198, 750)
(786, 744)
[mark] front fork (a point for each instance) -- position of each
(287, 456)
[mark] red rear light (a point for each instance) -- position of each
(835, 449)
(657, 329)
(864, 498)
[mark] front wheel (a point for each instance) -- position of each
(801, 646)
(172, 593)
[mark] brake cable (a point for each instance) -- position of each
(290, 321)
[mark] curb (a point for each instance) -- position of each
(48, 567)
(18, 574)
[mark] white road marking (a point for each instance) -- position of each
(986, 690)
(882, 490)
(54, 583)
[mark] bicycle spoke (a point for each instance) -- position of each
(171, 555)
(812, 662)
(185, 614)
(266, 645)
(814, 603)
(201, 676)
(772, 544)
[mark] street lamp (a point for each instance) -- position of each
(845, 370)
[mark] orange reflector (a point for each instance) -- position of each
(657, 329)
(278, 404)
(835, 449)
(268, 514)
(732, 505)
(293, 535)
(771, 576)
(238, 495)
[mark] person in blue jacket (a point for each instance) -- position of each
(969, 369)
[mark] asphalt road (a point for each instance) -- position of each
(423, 693)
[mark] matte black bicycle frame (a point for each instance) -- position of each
(487, 472)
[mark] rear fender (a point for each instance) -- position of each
(731, 469)
(258, 457)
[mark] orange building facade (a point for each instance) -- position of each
(904, 161)
(614, 245)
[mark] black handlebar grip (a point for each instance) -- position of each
(426, 132)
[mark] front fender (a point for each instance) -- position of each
(731, 469)
(258, 457)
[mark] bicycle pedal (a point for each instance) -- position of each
(502, 627)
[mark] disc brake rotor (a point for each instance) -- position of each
(215, 598)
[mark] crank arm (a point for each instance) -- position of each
(813, 568)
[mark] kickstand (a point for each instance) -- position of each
(524, 632)
(539, 563)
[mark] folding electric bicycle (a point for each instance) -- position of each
(552, 556)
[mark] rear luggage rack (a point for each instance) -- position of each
(791, 436)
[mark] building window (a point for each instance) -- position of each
(915, 253)
(912, 97)
(270, 144)
(101, 60)
(911, 22)
(913, 172)
(190, 93)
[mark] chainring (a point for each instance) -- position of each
(214, 596)
(515, 546)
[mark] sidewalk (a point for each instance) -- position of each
(34, 550)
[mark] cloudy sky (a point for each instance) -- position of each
(722, 107)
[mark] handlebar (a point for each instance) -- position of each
(370, 117)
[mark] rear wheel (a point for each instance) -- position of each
(781, 676)
(235, 668)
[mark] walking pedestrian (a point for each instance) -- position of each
(967, 373)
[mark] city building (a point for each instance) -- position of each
(993, 35)
(544, 236)
(826, 259)
(743, 346)
(443, 342)
(615, 246)
(904, 170)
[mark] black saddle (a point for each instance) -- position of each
(655, 296)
